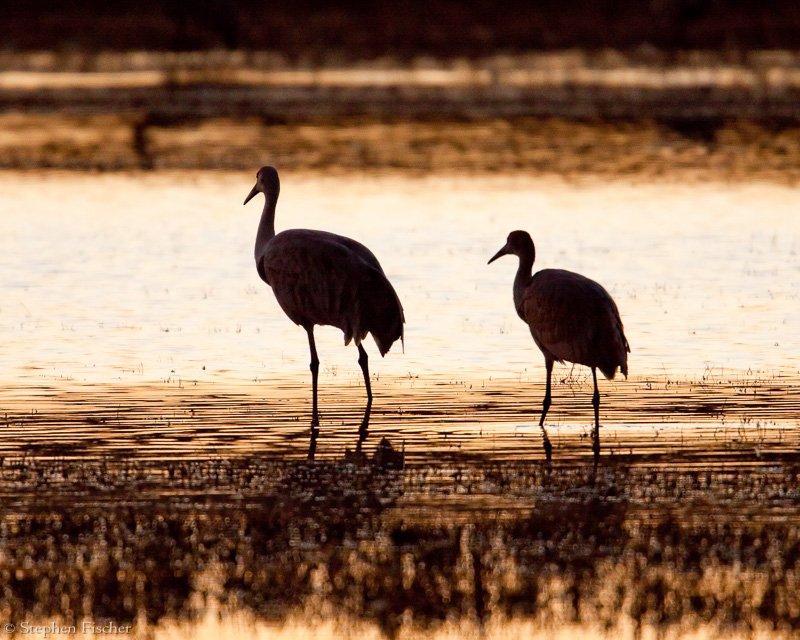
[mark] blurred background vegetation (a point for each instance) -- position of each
(651, 88)
(405, 28)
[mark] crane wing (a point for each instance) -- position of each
(573, 318)
(323, 278)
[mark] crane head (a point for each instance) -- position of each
(518, 243)
(267, 182)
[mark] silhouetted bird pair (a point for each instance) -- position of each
(327, 279)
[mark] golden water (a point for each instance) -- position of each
(155, 407)
(144, 278)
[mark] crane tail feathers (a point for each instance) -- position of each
(385, 343)
(385, 317)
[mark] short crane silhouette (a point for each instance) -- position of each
(323, 278)
(571, 318)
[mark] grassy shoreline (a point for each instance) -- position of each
(697, 115)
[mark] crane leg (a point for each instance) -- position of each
(314, 376)
(363, 362)
(548, 448)
(596, 405)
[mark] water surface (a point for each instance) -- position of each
(155, 407)
(140, 278)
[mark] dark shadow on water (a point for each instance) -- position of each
(162, 510)
(654, 547)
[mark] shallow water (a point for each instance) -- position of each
(481, 549)
(155, 405)
(142, 278)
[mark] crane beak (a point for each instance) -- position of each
(499, 254)
(250, 195)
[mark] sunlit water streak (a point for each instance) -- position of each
(701, 423)
(144, 278)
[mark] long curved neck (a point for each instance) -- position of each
(523, 277)
(266, 227)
